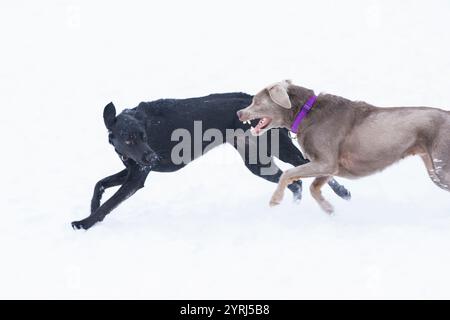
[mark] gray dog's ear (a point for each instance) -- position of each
(109, 115)
(279, 95)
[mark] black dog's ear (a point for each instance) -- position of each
(109, 115)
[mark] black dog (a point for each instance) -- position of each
(142, 138)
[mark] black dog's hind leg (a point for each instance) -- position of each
(339, 189)
(108, 182)
(134, 181)
(289, 153)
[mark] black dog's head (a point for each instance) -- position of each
(128, 136)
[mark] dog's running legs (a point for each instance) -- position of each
(102, 185)
(317, 193)
(256, 169)
(134, 181)
(291, 154)
(268, 171)
(309, 170)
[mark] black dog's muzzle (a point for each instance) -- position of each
(150, 158)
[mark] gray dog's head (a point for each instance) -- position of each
(270, 106)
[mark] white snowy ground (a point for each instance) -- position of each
(207, 231)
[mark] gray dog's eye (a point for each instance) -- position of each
(128, 142)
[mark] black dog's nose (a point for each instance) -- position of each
(239, 114)
(150, 158)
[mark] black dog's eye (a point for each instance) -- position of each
(128, 142)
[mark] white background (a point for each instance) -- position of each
(207, 231)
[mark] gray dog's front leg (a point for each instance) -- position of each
(309, 170)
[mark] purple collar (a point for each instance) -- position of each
(303, 112)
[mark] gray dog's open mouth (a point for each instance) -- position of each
(263, 123)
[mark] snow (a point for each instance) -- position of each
(207, 231)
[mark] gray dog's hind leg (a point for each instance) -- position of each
(437, 172)
(438, 163)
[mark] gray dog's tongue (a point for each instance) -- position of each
(264, 122)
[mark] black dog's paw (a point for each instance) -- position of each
(82, 224)
(343, 193)
(297, 196)
(296, 188)
(78, 225)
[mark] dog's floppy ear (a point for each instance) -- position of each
(109, 115)
(279, 95)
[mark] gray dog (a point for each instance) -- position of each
(350, 139)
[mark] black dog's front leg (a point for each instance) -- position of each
(134, 181)
(108, 182)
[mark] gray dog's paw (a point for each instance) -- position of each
(276, 199)
(327, 207)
